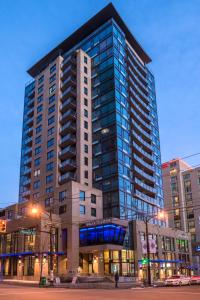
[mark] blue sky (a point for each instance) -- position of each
(168, 30)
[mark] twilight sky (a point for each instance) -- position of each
(169, 31)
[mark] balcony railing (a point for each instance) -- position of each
(145, 197)
(69, 114)
(145, 186)
(141, 161)
(142, 141)
(70, 126)
(69, 151)
(68, 164)
(142, 131)
(67, 177)
(142, 151)
(70, 102)
(68, 92)
(144, 174)
(67, 139)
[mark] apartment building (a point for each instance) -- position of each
(182, 198)
(90, 116)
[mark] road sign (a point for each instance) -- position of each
(28, 231)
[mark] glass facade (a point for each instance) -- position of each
(126, 147)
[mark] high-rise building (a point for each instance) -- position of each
(181, 197)
(90, 116)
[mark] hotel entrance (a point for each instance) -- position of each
(107, 262)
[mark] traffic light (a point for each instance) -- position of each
(145, 261)
(2, 226)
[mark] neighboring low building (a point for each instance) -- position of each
(182, 198)
(170, 251)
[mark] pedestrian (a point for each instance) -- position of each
(116, 279)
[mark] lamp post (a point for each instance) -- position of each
(160, 216)
(35, 211)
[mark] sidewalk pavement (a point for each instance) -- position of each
(86, 285)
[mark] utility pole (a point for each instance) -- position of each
(148, 254)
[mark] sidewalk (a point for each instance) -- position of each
(99, 285)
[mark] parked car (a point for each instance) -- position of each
(178, 280)
(195, 279)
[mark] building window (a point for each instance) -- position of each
(50, 154)
(86, 174)
(187, 186)
(39, 108)
(37, 173)
(85, 113)
(37, 162)
(49, 190)
(51, 131)
(51, 109)
(38, 150)
(62, 195)
(85, 124)
(36, 195)
(85, 136)
(52, 89)
(49, 166)
(51, 120)
(85, 91)
(10, 214)
(93, 212)
(41, 79)
(93, 199)
(86, 148)
(85, 80)
(85, 59)
(52, 69)
(38, 129)
(48, 201)
(52, 99)
(39, 119)
(50, 143)
(40, 99)
(86, 161)
(40, 89)
(82, 196)
(36, 185)
(62, 209)
(85, 70)
(52, 78)
(38, 139)
(85, 101)
(82, 209)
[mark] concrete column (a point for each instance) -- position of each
(100, 263)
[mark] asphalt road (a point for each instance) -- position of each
(34, 293)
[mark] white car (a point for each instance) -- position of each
(178, 280)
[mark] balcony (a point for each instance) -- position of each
(30, 103)
(67, 177)
(26, 193)
(27, 182)
(67, 152)
(29, 122)
(138, 64)
(70, 91)
(69, 103)
(28, 141)
(70, 60)
(143, 174)
(140, 110)
(31, 94)
(70, 80)
(140, 150)
(143, 104)
(144, 197)
(29, 131)
(68, 139)
(142, 131)
(67, 165)
(68, 115)
(27, 161)
(28, 151)
(137, 70)
(145, 186)
(137, 78)
(140, 119)
(141, 141)
(143, 163)
(70, 70)
(30, 112)
(27, 172)
(68, 127)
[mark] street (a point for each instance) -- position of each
(32, 293)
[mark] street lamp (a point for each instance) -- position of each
(35, 211)
(161, 215)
